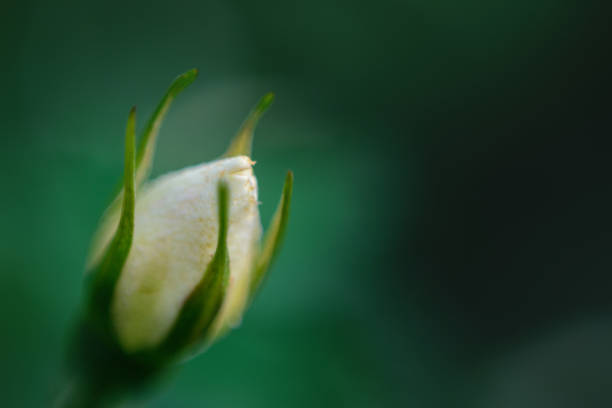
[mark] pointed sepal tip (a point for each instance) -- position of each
(242, 143)
(146, 145)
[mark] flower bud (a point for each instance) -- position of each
(175, 237)
(176, 261)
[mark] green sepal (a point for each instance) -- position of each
(104, 277)
(148, 138)
(204, 302)
(242, 143)
(273, 238)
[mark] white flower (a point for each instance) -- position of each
(175, 237)
(176, 261)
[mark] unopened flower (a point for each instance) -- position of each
(176, 261)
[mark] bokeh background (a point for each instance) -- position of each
(450, 241)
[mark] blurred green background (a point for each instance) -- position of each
(450, 240)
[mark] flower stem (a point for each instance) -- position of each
(100, 374)
(78, 394)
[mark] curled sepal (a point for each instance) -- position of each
(146, 150)
(105, 276)
(204, 302)
(273, 238)
(243, 141)
(146, 145)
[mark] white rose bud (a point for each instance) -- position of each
(176, 261)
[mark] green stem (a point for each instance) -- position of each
(78, 394)
(100, 373)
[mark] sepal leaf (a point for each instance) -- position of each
(204, 302)
(273, 237)
(146, 145)
(242, 143)
(106, 274)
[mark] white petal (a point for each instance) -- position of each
(175, 237)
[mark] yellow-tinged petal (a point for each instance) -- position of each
(175, 236)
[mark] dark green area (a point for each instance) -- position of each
(450, 234)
